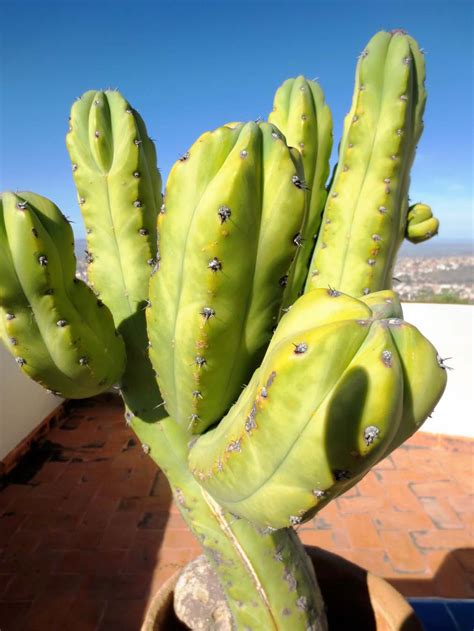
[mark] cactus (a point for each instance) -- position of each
(365, 216)
(301, 114)
(343, 381)
(421, 225)
(119, 194)
(54, 326)
(234, 208)
(353, 382)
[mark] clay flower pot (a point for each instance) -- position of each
(354, 599)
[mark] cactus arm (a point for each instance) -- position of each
(339, 424)
(226, 243)
(365, 215)
(301, 114)
(266, 577)
(52, 323)
(421, 224)
(119, 192)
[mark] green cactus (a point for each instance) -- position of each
(266, 576)
(119, 194)
(421, 224)
(234, 208)
(366, 213)
(342, 382)
(54, 326)
(353, 381)
(302, 115)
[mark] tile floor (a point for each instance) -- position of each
(88, 530)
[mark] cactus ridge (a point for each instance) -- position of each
(302, 115)
(52, 323)
(338, 395)
(227, 242)
(119, 194)
(421, 224)
(366, 211)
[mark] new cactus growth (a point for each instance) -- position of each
(421, 225)
(343, 381)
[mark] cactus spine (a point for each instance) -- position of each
(366, 212)
(302, 115)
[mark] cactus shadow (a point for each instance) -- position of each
(352, 601)
(343, 428)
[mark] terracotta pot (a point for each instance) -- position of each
(354, 599)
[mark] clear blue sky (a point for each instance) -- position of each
(192, 66)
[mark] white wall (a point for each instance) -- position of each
(450, 328)
(23, 403)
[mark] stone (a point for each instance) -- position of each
(199, 601)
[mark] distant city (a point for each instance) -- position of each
(435, 271)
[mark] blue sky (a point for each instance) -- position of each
(192, 66)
